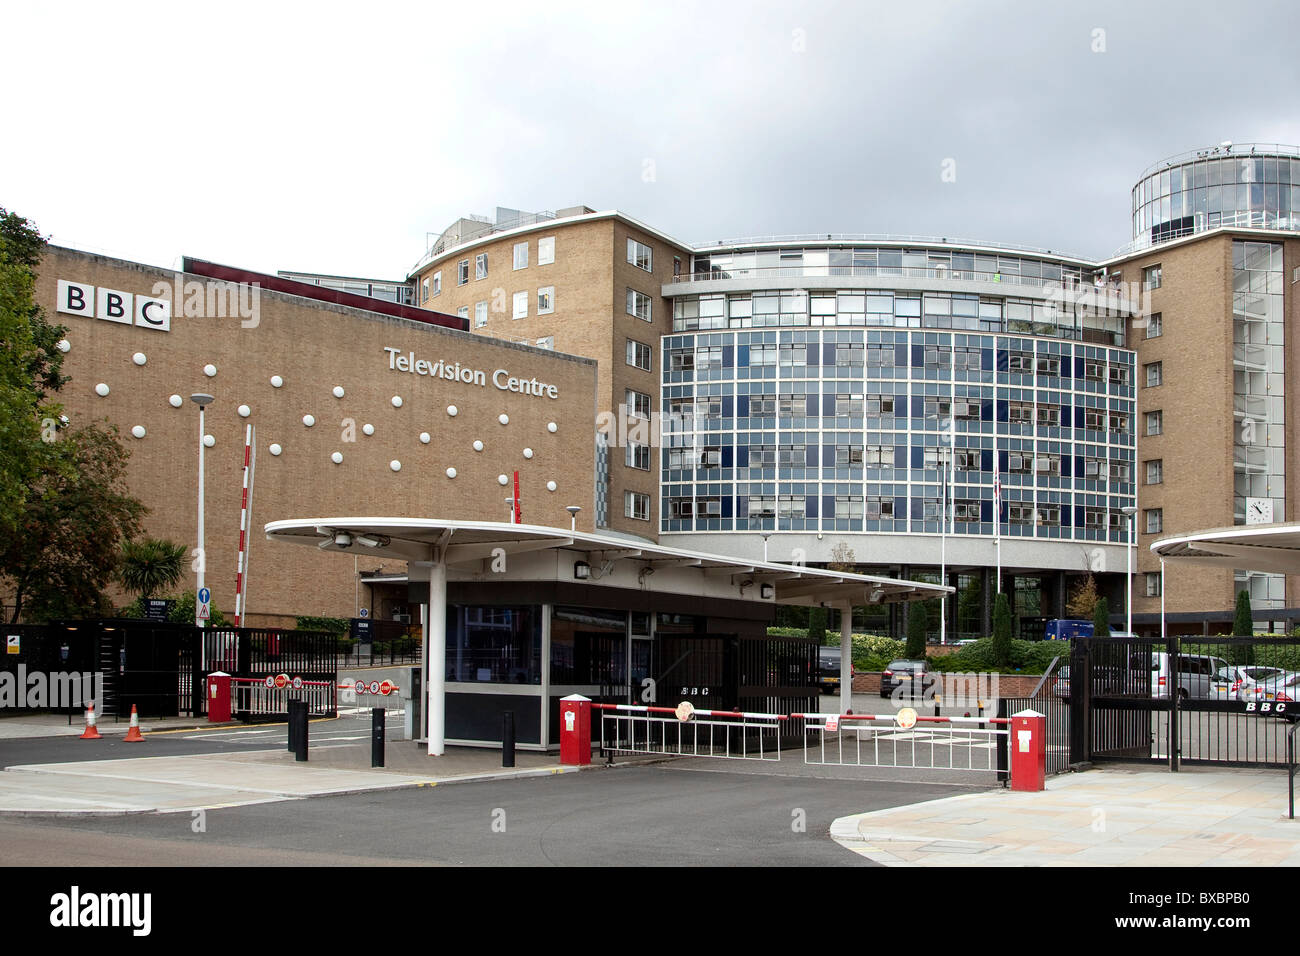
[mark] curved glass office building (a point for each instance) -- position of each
(1246, 186)
(821, 390)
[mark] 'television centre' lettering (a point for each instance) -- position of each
(501, 378)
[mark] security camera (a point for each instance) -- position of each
(343, 540)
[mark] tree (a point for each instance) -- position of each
(817, 624)
(1101, 618)
(970, 607)
(76, 514)
(842, 558)
(151, 565)
(1243, 625)
(1083, 601)
(1002, 630)
(917, 620)
(30, 365)
(63, 504)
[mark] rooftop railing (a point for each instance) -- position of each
(704, 248)
(1048, 287)
(1245, 219)
(1229, 151)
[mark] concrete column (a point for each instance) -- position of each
(846, 658)
(435, 637)
(903, 608)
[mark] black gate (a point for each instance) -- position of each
(66, 659)
(161, 668)
(728, 672)
(700, 668)
(1227, 701)
(1051, 699)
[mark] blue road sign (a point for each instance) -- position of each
(205, 596)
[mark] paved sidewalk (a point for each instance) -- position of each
(209, 781)
(1104, 817)
(56, 725)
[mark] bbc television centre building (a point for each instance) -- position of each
(809, 401)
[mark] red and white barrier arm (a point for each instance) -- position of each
(893, 718)
(642, 709)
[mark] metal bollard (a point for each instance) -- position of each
(377, 715)
(508, 739)
(300, 738)
(293, 729)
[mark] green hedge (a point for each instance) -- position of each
(331, 625)
(871, 652)
(1026, 657)
(1285, 656)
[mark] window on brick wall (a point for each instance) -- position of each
(639, 354)
(638, 254)
(636, 505)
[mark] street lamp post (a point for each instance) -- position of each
(202, 400)
(946, 449)
(1129, 548)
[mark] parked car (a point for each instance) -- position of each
(1242, 681)
(1281, 689)
(1196, 673)
(1061, 684)
(828, 672)
(903, 673)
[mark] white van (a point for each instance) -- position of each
(1196, 673)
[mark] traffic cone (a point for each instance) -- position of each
(133, 734)
(91, 733)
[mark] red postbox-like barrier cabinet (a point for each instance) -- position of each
(1028, 751)
(575, 730)
(218, 698)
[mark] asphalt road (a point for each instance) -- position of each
(625, 816)
(350, 729)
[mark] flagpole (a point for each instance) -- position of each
(945, 464)
(943, 548)
(997, 511)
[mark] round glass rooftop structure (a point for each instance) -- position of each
(1245, 186)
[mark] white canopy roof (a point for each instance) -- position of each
(1273, 548)
(468, 542)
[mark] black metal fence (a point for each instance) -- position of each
(160, 668)
(1227, 701)
(391, 643)
(1051, 699)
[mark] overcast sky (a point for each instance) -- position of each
(332, 138)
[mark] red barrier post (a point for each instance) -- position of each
(1028, 751)
(218, 697)
(575, 730)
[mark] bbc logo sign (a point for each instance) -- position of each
(78, 298)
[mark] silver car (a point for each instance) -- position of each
(1241, 681)
(1282, 689)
